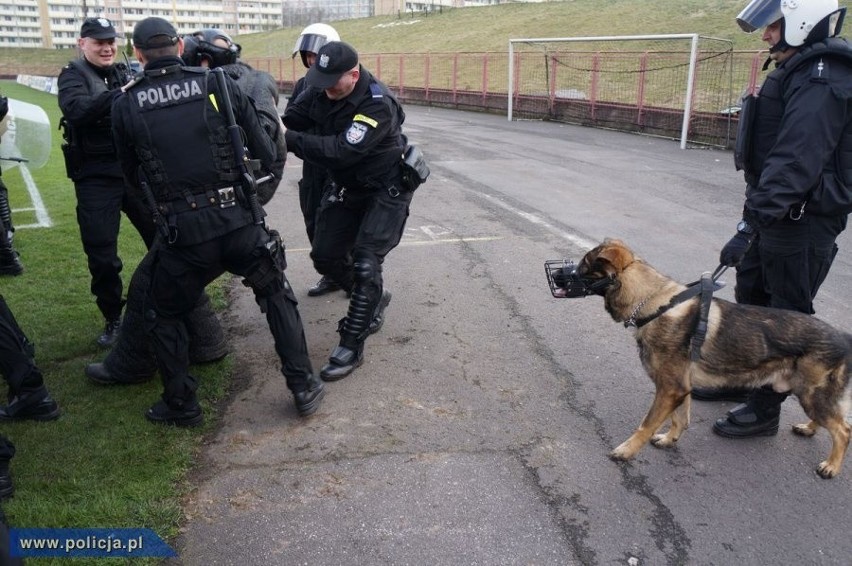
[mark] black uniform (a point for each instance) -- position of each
(314, 178)
(797, 157)
(359, 140)
(132, 358)
(171, 132)
(799, 177)
(86, 93)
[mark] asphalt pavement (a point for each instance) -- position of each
(478, 428)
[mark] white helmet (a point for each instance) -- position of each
(804, 21)
(312, 38)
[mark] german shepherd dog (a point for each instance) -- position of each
(744, 346)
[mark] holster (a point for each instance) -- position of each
(415, 171)
(266, 272)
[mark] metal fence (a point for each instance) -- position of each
(479, 81)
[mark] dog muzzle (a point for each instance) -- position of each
(566, 283)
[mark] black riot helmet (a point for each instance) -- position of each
(216, 47)
(190, 51)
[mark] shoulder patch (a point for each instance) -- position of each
(365, 119)
(819, 70)
(356, 133)
(376, 90)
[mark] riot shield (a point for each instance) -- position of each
(26, 136)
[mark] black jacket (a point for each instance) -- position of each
(802, 149)
(358, 139)
(86, 93)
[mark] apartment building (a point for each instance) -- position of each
(55, 24)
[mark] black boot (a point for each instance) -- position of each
(101, 374)
(10, 264)
(308, 401)
(759, 416)
(353, 329)
(33, 404)
(342, 362)
(323, 287)
(182, 414)
(110, 334)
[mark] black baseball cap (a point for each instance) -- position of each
(98, 28)
(154, 32)
(333, 60)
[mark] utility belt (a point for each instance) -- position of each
(225, 197)
(335, 192)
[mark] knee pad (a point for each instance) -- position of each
(366, 268)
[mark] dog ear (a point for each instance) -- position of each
(615, 255)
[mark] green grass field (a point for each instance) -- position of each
(101, 464)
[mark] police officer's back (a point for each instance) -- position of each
(172, 136)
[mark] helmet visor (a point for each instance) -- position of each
(309, 42)
(759, 14)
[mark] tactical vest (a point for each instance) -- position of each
(189, 174)
(94, 139)
(761, 115)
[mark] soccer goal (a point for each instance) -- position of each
(678, 86)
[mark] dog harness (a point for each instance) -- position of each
(703, 289)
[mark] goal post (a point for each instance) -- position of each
(671, 85)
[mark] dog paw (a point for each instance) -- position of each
(826, 470)
(805, 429)
(622, 453)
(663, 441)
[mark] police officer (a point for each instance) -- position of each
(351, 124)
(132, 358)
(172, 135)
(314, 176)
(795, 148)
(87, 87)
(213, 48)
(10, 264)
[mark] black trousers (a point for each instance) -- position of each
(788, 262)
(178, 277)
(352, 238)
(100, 201)
(784, 268)
(16, 355)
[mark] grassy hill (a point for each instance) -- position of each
(486, 28)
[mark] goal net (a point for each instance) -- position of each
(676, 86)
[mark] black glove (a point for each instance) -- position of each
(735, 250)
